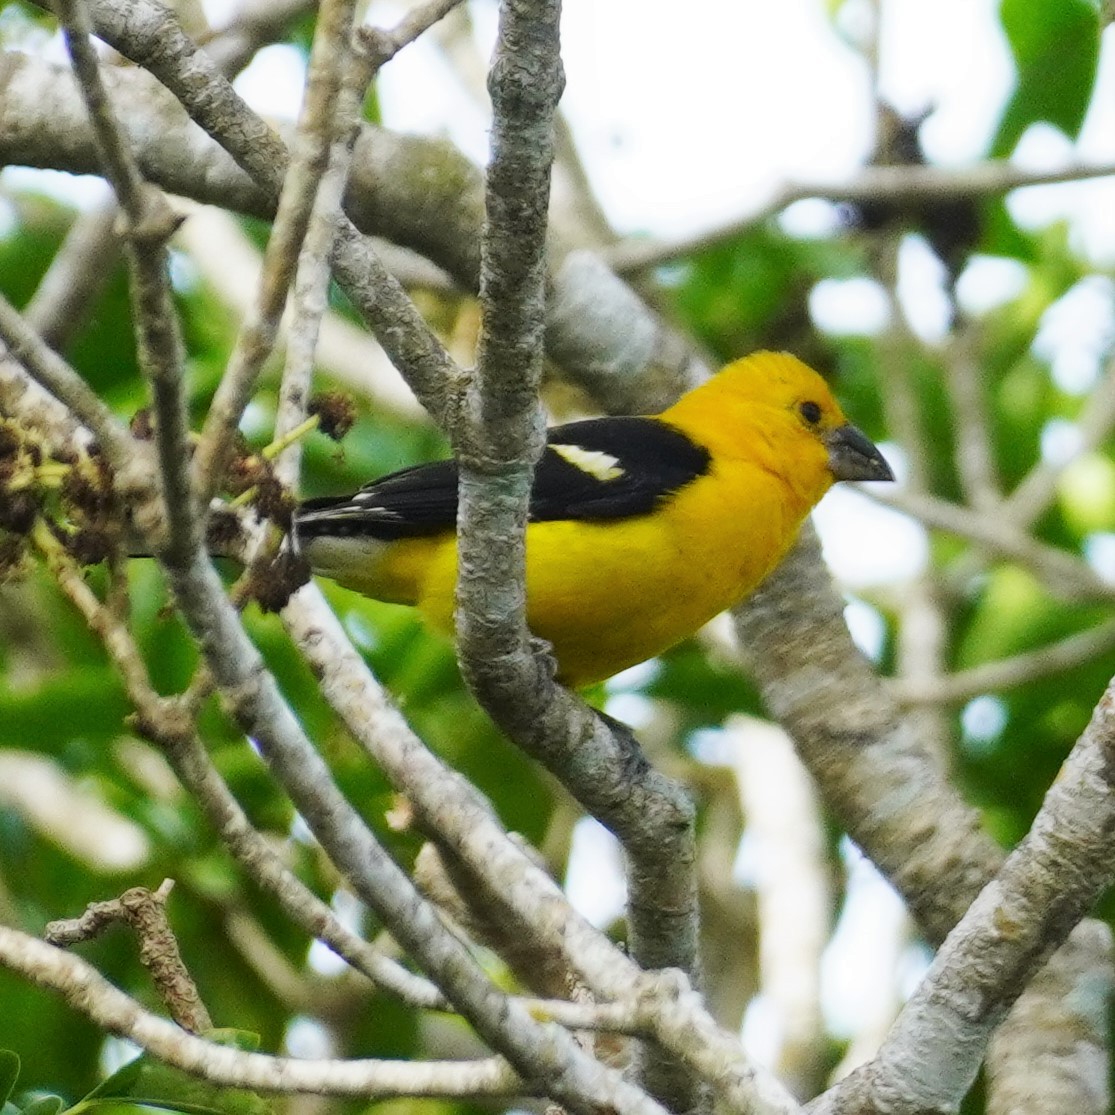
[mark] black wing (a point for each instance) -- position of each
(612, 468)
(601, 468)
(416, 501)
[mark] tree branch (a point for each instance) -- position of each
(873, 770)
(148, 223)
(873, 183)
(416, 192)
(1047, 884)
(88, 992)
(329, 57)
(1064, 574)
(497, 442)
(453, 808)
(1009, 673)
(145, 912)
(544, 1052)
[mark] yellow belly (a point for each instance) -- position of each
(604, 595)
(609, 595)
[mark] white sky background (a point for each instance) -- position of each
(690, 114)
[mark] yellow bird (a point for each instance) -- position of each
(641, 528)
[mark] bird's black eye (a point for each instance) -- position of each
(811, 412)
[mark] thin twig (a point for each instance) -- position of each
(230, 264)
(145, 912)
(148, 223)
(77, 275)
(166, 51)
(52, 373)
(1065, 575)
(372, 49)
(874, 183)
(92, 995)
(1009, 673)
(413, 25)
(162, 720)
(256, 338)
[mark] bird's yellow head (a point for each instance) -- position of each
(773, 409)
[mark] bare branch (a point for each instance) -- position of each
(413, 25)
(164, 722)
(116, 160)
(544, 1052)
(145, 912)
(148, 224)
(1008, 673)
(873, 183)
(414, 191)
(1052, 1052)
(608, 342)
(497, 443)
(76, 276)
(500, 433)
(350, 355)
(313, 139)
(53, 374)
(450, 806)
(870, 765)
(1063, 574)
(88, 992)
(1046, 885)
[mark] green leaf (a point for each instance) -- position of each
(150, 1082)
(9, 1073)
(1055, 44)
(44, 1105)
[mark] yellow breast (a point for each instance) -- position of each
(608, 595)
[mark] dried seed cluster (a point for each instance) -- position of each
(71, 491)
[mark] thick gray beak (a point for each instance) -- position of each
(854, 456)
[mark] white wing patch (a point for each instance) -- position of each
(597, 463)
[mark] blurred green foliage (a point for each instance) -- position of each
(1055, 48)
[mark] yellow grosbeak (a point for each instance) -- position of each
(641, 528)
